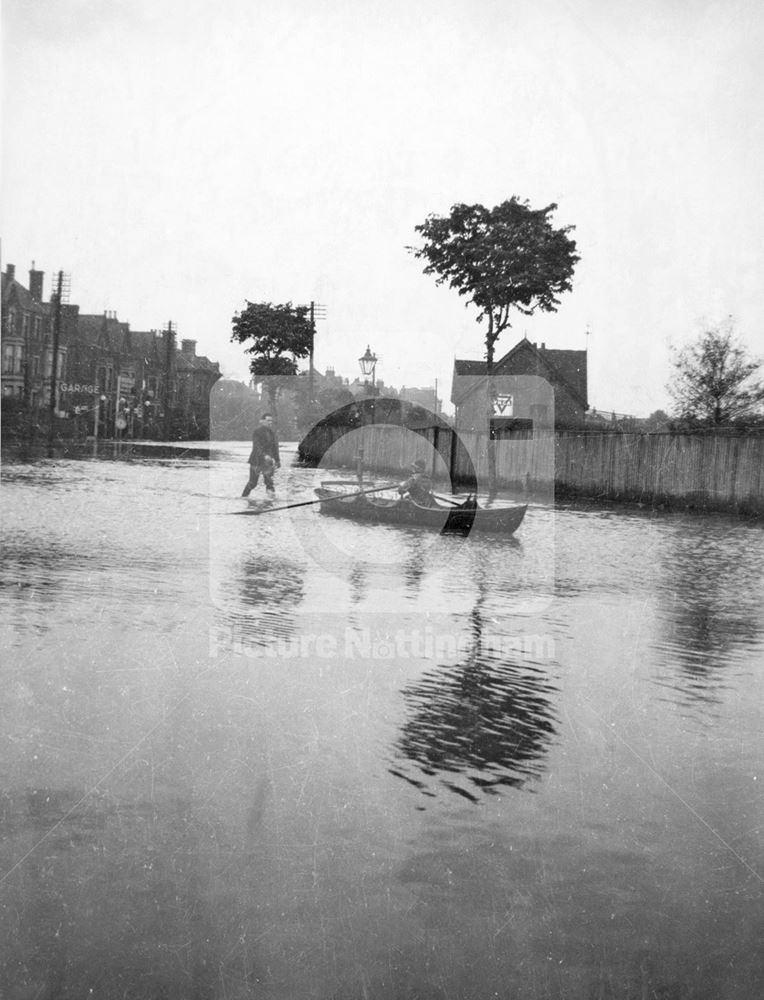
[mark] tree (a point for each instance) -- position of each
(657, 422)
(277, 336)
(503, 258)
(712, 382)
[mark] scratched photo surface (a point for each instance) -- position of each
(255, 747)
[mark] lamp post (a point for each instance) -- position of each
(368, 363)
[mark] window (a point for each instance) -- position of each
(12, 359)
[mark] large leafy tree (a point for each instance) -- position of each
(277, 336)
(712, 382)
(501, 259)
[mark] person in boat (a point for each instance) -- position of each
(264, 457)
(418, 487)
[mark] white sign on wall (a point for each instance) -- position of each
(503, 404)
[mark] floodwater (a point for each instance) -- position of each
(287, 756)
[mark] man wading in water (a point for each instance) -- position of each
(264, 456)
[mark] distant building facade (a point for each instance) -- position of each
(427, 398)
(111, 380)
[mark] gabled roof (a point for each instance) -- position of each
(14, 293)
(570, 366)
(185, 362)
(469, 367)
(566, 367)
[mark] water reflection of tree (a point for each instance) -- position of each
(486, 721)
(710, 610)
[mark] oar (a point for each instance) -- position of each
(308, 503)
(456, 503)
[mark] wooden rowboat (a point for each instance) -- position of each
(463, 519)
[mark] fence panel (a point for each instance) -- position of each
(724, 472)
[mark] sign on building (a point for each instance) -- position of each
(503, 404)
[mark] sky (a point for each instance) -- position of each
(177, 159)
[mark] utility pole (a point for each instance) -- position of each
(169, 352)
(62, 286)
(316, 312)
(312, 345)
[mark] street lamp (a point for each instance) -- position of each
(368, 363)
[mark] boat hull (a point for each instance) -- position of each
(501, 520)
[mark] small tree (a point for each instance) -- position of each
(503, 258)
(328, 398)
(658, 421)
(712, 382)
(277, 336)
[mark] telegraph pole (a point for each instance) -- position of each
(316, 312)
(62, 287)
(169, 351)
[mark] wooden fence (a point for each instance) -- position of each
(712, 472)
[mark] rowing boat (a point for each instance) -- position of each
(463, 518)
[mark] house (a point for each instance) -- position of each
(195, 376)
(27, 341)
(532, 388)
(144, 383)
(110, 379)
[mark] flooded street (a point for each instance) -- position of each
(289, 756)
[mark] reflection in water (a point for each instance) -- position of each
(487, 720)
(359, 583)
(415, 564)
(710, 612)
(176, 826)
(262, 599)
(41, 576)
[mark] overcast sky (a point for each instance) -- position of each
(177, 158)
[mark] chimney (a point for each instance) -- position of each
(543, 346)
(35, 283)
(188, 347)
(10, 270)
